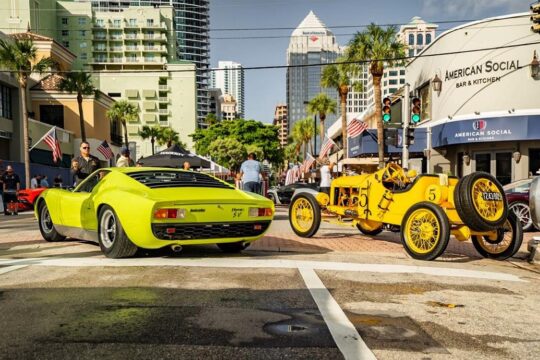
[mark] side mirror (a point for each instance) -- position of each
(534, 201)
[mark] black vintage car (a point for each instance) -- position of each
(282, 195)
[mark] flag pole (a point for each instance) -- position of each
(43, 137)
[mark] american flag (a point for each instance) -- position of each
(356, 127)
(308, 162)
(105, 149)
(326, 147)
(52, 141)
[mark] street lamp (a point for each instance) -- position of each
(535, 66)
(437, 84)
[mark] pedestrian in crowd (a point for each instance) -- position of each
(139, 163)
(326, 176)
(11, 186)
(249, 172)
(44, 181)
(186, 166)
(84, 164)
(124, 160)
(35, 182)
(58, 181)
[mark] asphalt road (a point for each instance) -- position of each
(66, 301)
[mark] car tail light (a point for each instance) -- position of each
(170, 214)
(256, 212)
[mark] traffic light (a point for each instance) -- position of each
(535, 17)
(391, 137)
(409, 136)
(415, 111)
(386, 110)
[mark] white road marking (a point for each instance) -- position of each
(11, 268)
(347, 338)
(236, 262)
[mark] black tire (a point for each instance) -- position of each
(234, 247)
(312, 206)
(489, 248)
(273, 198)
(523, 213)
(109, 226)
(46, 226)
(442, 236)
(466, 209)
(369, 232)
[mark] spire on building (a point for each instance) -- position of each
(311, 24)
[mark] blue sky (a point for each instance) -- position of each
(266, 88)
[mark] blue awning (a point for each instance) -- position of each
(366, 144)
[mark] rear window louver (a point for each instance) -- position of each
(170, 179)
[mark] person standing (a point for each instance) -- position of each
(186, 166)
(326, 176)
(58, 181)
(250, 171)
(124, 160)
(11, 187)
(84, 164)
(44, 181)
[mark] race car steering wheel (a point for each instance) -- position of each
(393, 173)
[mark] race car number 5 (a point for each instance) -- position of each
(433, 194)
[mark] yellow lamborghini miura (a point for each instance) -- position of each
(124, 209)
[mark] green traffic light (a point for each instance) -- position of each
(415, 118)
(386, 117)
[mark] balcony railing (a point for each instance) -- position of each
(164, 87)
(163, 99)
(164, 111)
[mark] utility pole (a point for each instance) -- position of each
(406, 111)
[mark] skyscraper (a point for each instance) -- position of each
(230, 81)
(311, 43)
(192, 22)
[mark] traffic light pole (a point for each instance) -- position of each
(406, 111)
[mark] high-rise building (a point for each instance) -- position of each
(281, 121)
(231, 81)
(311, 43)
(192, 24)
(228, 107)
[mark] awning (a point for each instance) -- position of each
(365, 143)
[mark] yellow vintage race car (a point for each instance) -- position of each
(124, 209)
(426, 209)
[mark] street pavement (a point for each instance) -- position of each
(337, 295)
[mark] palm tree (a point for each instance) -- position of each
(123, 111)
(373, 45)
(302, 133)
(80, 83)
(150, 132)
(341, 76)
(321, 105)
(20, 57)
(168, 136)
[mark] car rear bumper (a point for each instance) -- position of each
(208, 231)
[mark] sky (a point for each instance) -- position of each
(264, 89)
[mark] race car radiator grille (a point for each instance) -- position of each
(209, 230)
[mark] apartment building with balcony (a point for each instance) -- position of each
(281, 121)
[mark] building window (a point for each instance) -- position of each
(401, 81)
(64, 21)
(150, 22)
(133, 22)
(116, 23)
(100, 22)
(84, 56)
(411, 53)
(83, 45)
(411, 39)
(82, 21)
(65, 32)
(82, 33)
(5, 103)
(419, 39)
(52, 115)
(114, 94)
(401, 72)
(393, 73)
(428, 39)
(66, 44)
(392, 82)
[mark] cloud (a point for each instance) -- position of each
(472, 8)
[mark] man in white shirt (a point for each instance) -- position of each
(326, 176)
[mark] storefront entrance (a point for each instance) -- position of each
(498, 164)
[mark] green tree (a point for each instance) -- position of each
(291, 153)
(302, 133)
(81, 84)
(123, 111)
(228, 152)
(375, 44)
(150, 132)
(168, 136)
(211, 119)
(20, 57)
(321, 105)
(341, 77)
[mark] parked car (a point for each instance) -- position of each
(282, 195)
(27, 198)
(124, 209)
(517, 195)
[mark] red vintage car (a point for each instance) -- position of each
(27, 197)
(517, 195)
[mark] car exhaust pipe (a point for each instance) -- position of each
(176, 248)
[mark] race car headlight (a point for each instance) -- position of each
(256, 212)
(170, 214)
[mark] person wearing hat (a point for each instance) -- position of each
(124, 160)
